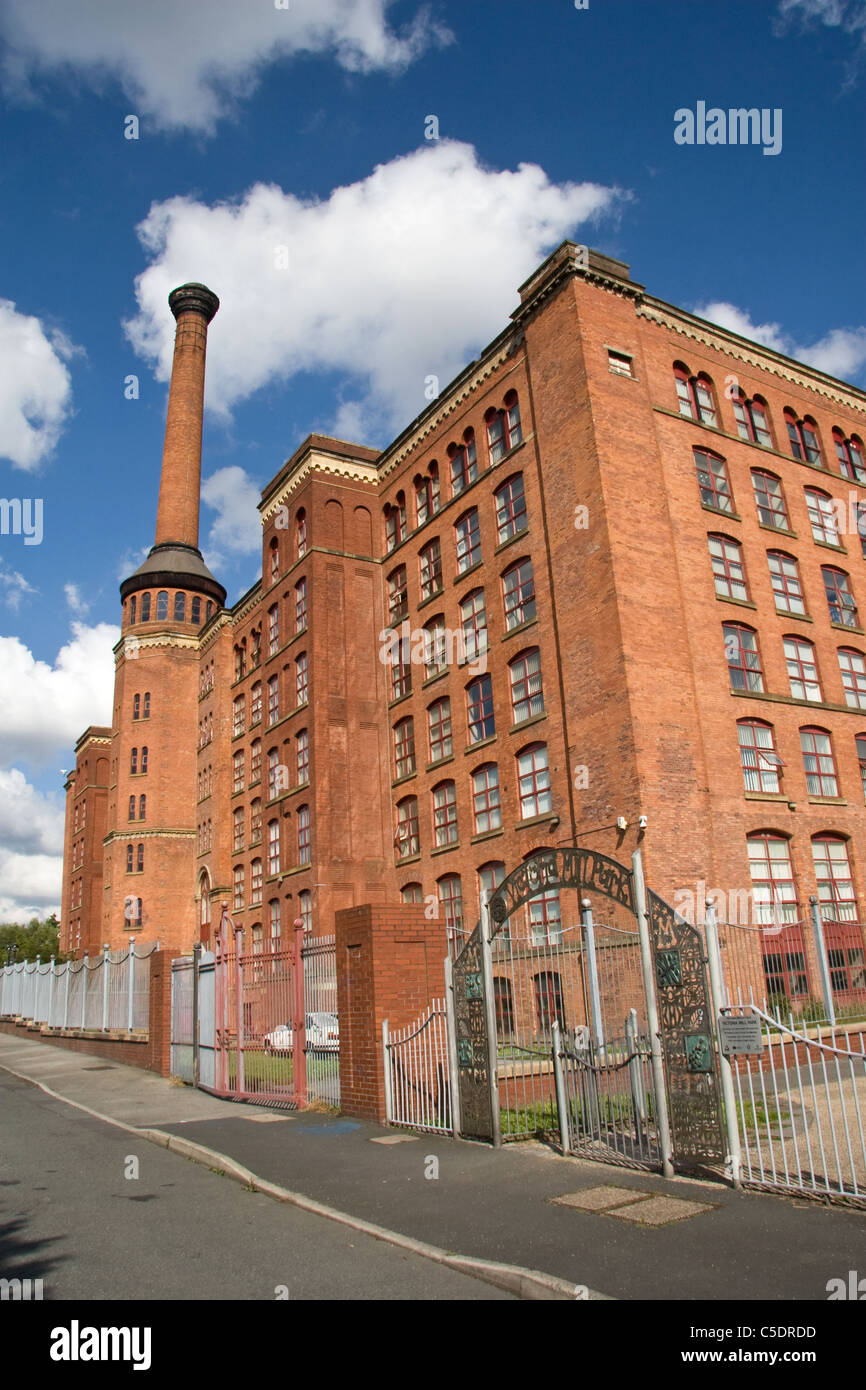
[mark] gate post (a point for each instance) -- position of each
(130, 1003)
(714, 960)
(239, 1010)
(299, 1022)
(821, 953)
(559, 1082)
(196, 966)
(649, 980)
(386, 1053)
(451, 1032)
(84, 995)
(50, 993)
(592, 973)
(105, 984)
(490, 1008)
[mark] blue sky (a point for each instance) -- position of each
(304, 128)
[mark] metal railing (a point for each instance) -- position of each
(417, 1073)
(109, 994)
(801, 1110)
(322, 1033)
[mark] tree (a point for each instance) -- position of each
(37, 938)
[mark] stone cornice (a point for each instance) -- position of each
(127, 646)
(250, 601)
(134, 834)
(215, 627)
(454, 400)
(319, 462)
(741, 349)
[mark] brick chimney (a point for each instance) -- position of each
(175, 561)
(193, 307)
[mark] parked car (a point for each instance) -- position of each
(323, 1030)
(279, 1039)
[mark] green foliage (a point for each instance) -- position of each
(35, 939)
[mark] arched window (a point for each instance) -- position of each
(527, 694)
(822, 516)
(404, 748)
(139, 859)
(131, 815)
(834, 878)
(803, 438)
(136, 706)
(145, 712)
(502, 999)
(430, 569)
(133, 605)
(479, 709)
(774, 888)
(275, 560)
(785, 579)
(302, 756)
(729, 572)
(255, 820)
(303, 834)
(760, 761)
(548, 1001)
(802, 668)
(490, 875)
(504, 430)
(142, 807)
(180, 608)
(412, 893)
(435, 647)
(426, 493)
(752, 417)
(301, 679)
(511, 517)
(849, 452)
(145, 608)
(439, 730)
(129, 859)
(133, 761)
(770, 500)
(713, 482)
(467, 538)
(518, 593)
(533, 781)
(255, 764)
(695, 396)
(444, 798)
(300, 605)
(256, 880)
(860, 746)
(273, 846)
(486, 810)
(464, 463)
(273, 629)
(819, 763)
(473, 621)
(144, 759)
(301, 534)
(238, 876)
(406, 840)
(852, 665)
(398, 604)
(204, 907)
(195, 614)
(840, 600)
(450, 890)
(395, 522)
(743, 657)
(237, 829)
(209, 610)
(161, 606)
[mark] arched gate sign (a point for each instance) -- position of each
(685, 1064)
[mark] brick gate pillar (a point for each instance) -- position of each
(390, 964)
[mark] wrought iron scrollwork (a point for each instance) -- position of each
(582, 869)
(685, 1024)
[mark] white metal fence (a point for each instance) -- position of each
(319, 958)
(417, 1072)
(109, 994)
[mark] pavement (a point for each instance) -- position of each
(523, 1217)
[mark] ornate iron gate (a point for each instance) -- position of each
(622, 1035)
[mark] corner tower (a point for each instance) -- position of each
(150, 847)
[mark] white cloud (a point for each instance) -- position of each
(398, 277)
(46, 708)
(848, 15)
(13, 587)
(30, 822)
(186, 64)
(73, 598)
(237, 528)
(841, 352)
(35, 388)
(30, 885)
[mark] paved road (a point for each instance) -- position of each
(69, 1216)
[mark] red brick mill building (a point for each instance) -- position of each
(653, 522)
